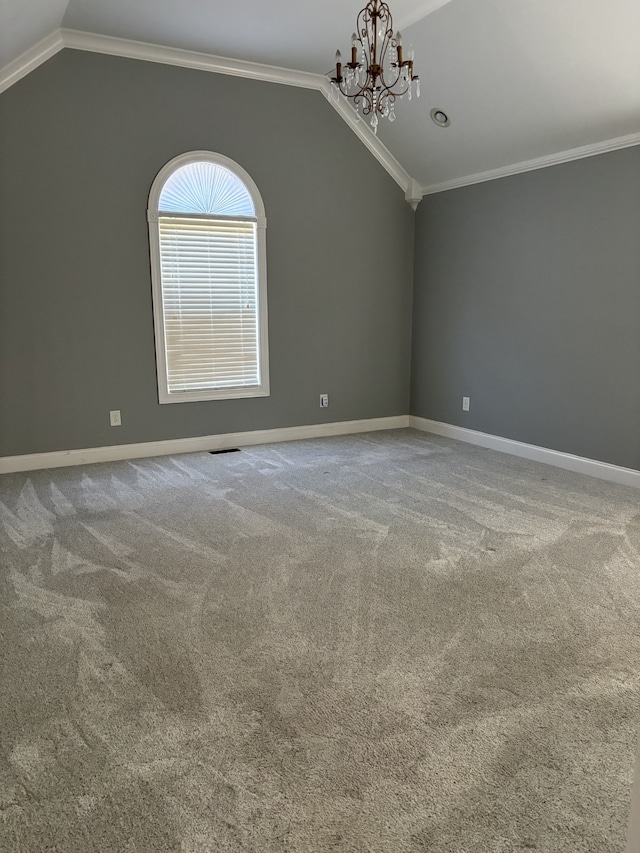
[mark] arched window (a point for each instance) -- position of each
(207, 231)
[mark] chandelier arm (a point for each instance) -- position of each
(366, 97)
(391, 87)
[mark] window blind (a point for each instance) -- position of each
(209, 300)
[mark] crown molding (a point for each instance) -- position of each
(240, 68)
(95, 43)
(30, 59)
(77, 40)
(92, 42)
(556, 159)
(413, 194)
(371, 141)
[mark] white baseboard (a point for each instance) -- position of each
(117, 452)
(579, 464)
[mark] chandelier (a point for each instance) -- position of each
(378, 72)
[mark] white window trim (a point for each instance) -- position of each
(167, 170)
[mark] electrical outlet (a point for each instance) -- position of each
(465, 403)
(114, 417)
(324, 400)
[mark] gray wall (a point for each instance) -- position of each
(527, 300)
(526, 297)
(81, 140)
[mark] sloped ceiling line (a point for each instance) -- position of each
(31, 59)
(76, 40)
(243, 68)
(420, 11)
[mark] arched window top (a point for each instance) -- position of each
(205, 184)
(205, 187)
(207, 234)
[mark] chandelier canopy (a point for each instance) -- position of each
(378, 72)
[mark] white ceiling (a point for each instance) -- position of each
(25, 22)
(520, 79)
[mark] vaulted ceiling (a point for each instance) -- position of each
(524, 82)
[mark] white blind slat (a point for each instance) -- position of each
(209, 294)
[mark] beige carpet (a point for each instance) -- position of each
(389, 642)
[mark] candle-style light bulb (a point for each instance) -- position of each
(338, 67)
(354, 49)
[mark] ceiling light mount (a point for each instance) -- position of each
(378, 72)
(439, 117)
